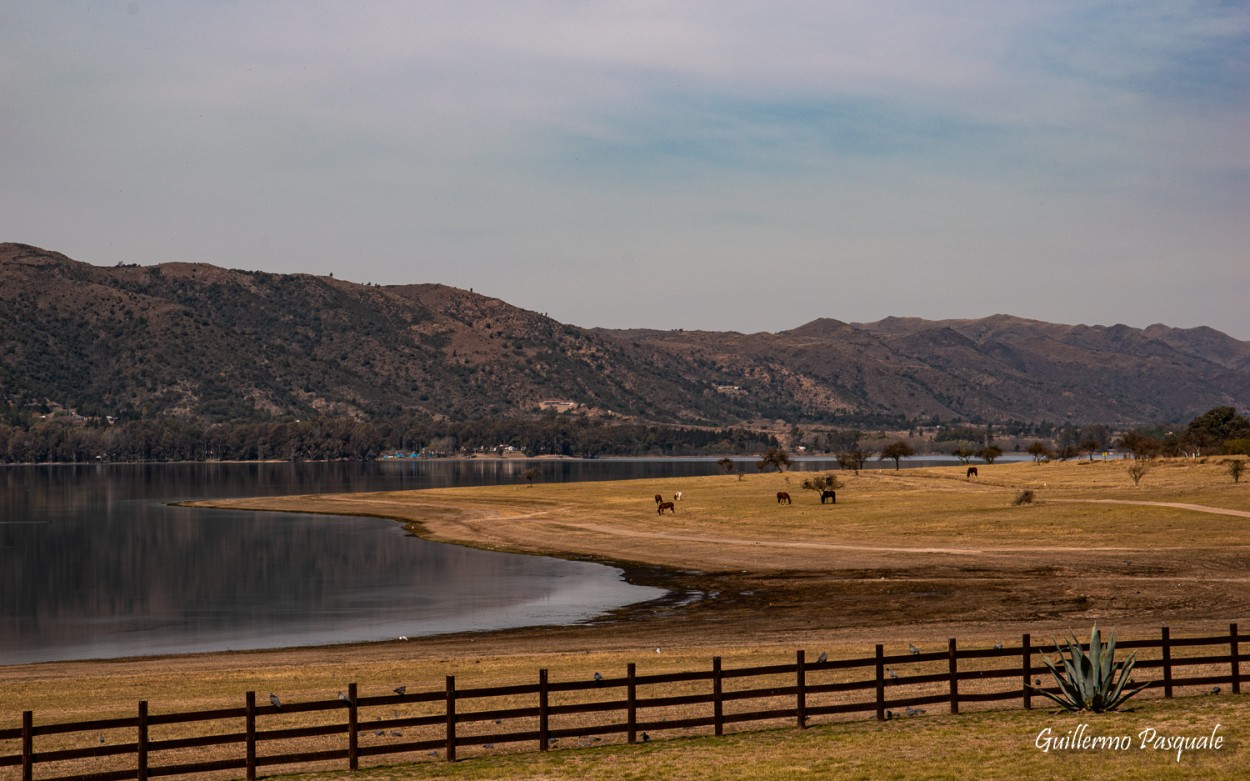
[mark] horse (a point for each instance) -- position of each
(658, 498)
(972, 472)
(677, 496)
(662, 506)
(832, 496)
(783, 497)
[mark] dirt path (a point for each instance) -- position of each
(1200, 508)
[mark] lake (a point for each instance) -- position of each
(96, 563)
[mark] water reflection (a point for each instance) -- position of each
(95, 563)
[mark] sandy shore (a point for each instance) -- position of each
(741, 572)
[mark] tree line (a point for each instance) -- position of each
(63, 439)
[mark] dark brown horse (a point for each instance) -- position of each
(972, 472)
(662, 506)
(658, 498)
(832, 496)
(783, 497)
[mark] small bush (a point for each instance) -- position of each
(1024, 497)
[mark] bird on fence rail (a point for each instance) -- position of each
(274, 701)
(598, 677)
(998, 646)
(400, 690)
(824, 657)
(344, 698)
(891, 673)
(914, 650)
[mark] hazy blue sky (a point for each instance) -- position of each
(716, 165)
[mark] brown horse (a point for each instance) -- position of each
(972, 472)
(783, 497)
(662, 506)
(658, 498)
(832, 496)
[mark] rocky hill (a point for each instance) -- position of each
(198, 340)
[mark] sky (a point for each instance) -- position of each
(733, 166)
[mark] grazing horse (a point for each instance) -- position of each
(832, 496)
(658, 498)
(677, 496)
(783, 497)
(972, 472)
(662, 506)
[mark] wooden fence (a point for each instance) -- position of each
(437, 723)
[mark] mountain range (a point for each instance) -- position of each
(190, 339)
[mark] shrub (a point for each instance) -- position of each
(1235, 469)
(1091, 680)
(1024, 497)
(1137, 470)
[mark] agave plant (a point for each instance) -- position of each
(1091, 680)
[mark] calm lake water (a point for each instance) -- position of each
(95, 563)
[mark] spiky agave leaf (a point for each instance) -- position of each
(1091, 680)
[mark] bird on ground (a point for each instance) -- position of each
(889, 714)
(1037, 681)
(998, 646)
(274, 701)
(400, 690)
(1216, 690)
(379, 733)
(914, 650)
(657, 649)
(598, 677)
(396, 733)
(646, 738)
(403, 637)
(824, 657)
(914, 711)
(891, 673)
(101, 738)
(488, 745)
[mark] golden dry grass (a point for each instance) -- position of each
(912, 556)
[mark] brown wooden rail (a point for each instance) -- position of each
(798, 691)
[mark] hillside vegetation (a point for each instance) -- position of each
(199, 341)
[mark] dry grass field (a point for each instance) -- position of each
(914, 556)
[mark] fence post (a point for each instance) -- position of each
(451, 718)
(250, 729)
(631, 704)
(141, 745)
(954, 676)
(28, 745)
(718, 706)
(1234, 652)
(880, 683)
(353, 729)
(800, 705)
(1167, 663)
(542, 710)
(1027, 657)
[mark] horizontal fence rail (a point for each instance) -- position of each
(433, 724)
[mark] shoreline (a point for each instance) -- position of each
(756, 583)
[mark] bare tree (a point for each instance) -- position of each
(897, 450)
